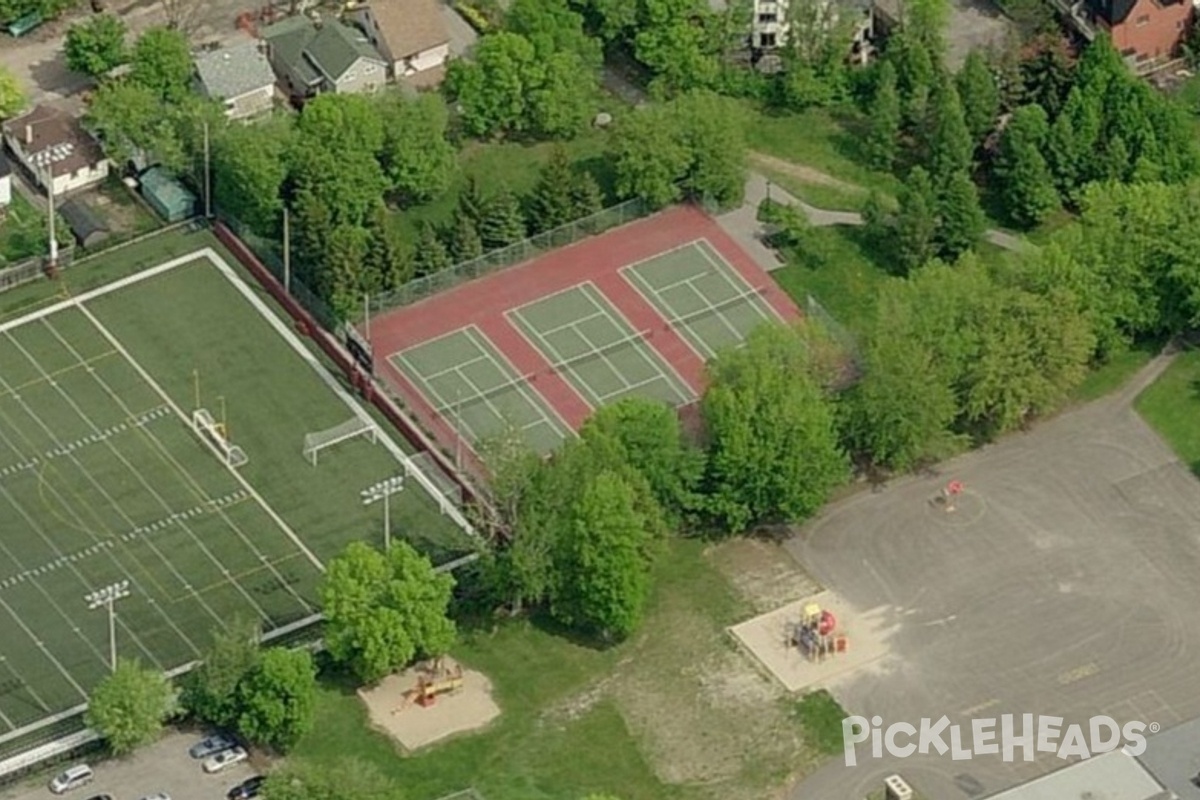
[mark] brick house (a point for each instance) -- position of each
(1142, 30)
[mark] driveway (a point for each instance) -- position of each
(162, 767)
(1063, 584)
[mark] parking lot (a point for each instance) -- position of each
(162, 767)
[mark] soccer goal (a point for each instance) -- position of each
(316, 442)
(215, 433)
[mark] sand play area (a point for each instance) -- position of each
(767, 637)
(393, 708)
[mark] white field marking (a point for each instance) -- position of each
(41, 646)
(189, 481)
(410, 467)
(184, 419)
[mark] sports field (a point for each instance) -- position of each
(103, 479)
(637, 311)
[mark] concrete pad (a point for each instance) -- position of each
(767, 636)
(391, 710)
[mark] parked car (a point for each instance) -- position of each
(157, 796)
(226, 758)
(211, 745)
(101, 797)
(72, 778)
(247, 789)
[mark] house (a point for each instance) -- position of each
(167, 195)
(5, 183)
(85, 224)
(1143, 31)
(770, 23)
(239, 76)
(312, 58)
(55, 148)
(411, 36)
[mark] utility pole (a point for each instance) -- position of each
(107, 598)
(367, 316)
(287, 252)
(207, 178)
(389, 487)
(458, 434)
(51, 215)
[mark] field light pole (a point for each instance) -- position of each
(107, 598)
(390, 487)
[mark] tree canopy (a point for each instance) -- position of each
(12, 95)
(162, 63)
(276, 699)
(128, 708)
(96, 46)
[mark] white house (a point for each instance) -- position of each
(5, 183)
(411, 36)
(238, 76)
(54, 147)
(773, 18)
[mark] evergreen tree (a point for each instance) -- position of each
(586, 197)
(960, 219)
(916, 222)
(1115, 163)
(389, 260)
(471, 201)
(463, 240)
(502, 222)
(980, 96)
(430, 255)
(551, 204)
(950, 148)
(883, 134)
(914, 77)
(1026, 183)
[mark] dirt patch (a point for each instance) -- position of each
(763, 573)
(393, 708)
(802, 173)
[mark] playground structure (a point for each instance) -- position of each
(816, 635)
(948, 497)
(433, 679)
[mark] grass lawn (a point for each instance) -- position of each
(1172, 406)
(23, 232)
(1113, 375)
(822, 717)
(845, 273)
(509, 165)
(676, 712)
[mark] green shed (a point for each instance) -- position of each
(166, 195)
(19, 27)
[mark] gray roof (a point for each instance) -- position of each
(234, 71)
(309, 50)
(5, 167)
(1173, 756)
(1111, 776)
(83, 221)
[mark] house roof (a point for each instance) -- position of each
(234, 71)
(409, 26)
(83, 221)
(310, 50)
(167, 189)
(1115, 775)
(1114, 12)
(49, 136)
(5, 167)
(1173, 756)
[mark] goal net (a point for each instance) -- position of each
(214, 432)
(314, 443)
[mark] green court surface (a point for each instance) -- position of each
(476, 388)
(704, 298)
(596, 349)
(103, 480)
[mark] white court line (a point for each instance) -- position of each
(738, 281)
(183, 418)
(561, 427)
(575, 323)
(435, 375)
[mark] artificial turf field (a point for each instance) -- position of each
(102, 479)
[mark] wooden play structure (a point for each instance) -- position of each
(434, 679)
(816, 635)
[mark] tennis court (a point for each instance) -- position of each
(478, 389)
(104, 481)
(597, 350)
(705, 299)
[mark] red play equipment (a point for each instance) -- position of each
(949, 495)
(816, 636)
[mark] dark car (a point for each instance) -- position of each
(247, 789)
(211, 746)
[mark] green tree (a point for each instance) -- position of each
(210, 690)
(128, 708)
(652, 442)
(430, 254)
(492, 92)
(278, 699)
(673, 42)
(552, 202)
(961, 222)
(562, 99)
(249, 167)
(472, 202)
(773, 450)
(916, 224)
(340, 274)
(390, 258)
(96, 46)
(649, 156)
(980, 96)
(604, 574)
(1026, 183)
(349, 183)
(130, 118)
(162, 63)
(950, 147)
(384, 609)
(342, 123)
(463, 242)
(884, 131)
(711, 129)
(915, 75)
(12, 96)
(416, 156)
(554, 27)
(503, 221)
(586, 197)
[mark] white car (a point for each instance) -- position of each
(226, 759)
(157, 796)
(72, 778)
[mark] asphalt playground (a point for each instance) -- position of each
(1063, 584)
